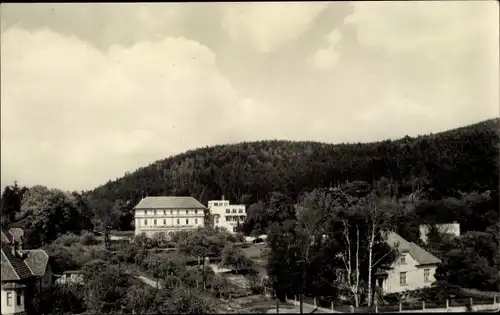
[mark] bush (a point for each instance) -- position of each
(88, 238)
(67, 239)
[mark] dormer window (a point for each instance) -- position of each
(403, 259)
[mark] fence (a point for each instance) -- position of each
(450, 305)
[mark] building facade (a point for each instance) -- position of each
(225, 215)
(167, 215)
(24, 273)
(413, 269)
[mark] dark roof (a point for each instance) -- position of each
(36, 260)
(12, 235)
(13, 285)
(13, 266)
(169, 203)
(422, 256)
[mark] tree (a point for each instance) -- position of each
(234, 258)
(378, 213)
(105, 287)
(349, 279)
(11, 203)
(51, 212)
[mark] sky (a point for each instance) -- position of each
(90, 91)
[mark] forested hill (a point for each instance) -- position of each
(459, 160)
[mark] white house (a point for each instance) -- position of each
(452, 229)
(24, 272)
(413, 269)
(226, 215)
(168, 215)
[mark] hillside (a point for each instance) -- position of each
(463, 159)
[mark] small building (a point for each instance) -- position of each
(451, 229)
(70, 276)
(24, 272)
(167, 215)
(226, 215)
(413, 269)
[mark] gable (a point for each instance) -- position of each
(420, 255)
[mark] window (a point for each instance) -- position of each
(154, 212)
(154, 221)
(216, 204)
(178, 221)
(242, 218)
(235, 229)
(145, 212)
(187, 221)
(187, 211)
(18, 298)
(9, 298)
(217, 220)
(240, 210)
(228, 210)
(427, 273)
(164, 222)
(403, 259)
(146, 222)
(195, 221)
(164, 211)
(195, 211)
(402, 278)
(171, 211)
(234, 210)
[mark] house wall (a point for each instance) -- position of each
(414, 276)
(13, 308)
(226, 215)
(167, 220)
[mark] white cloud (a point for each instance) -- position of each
(326, 57)
(69, 110)
(404, 26)
(268, 26)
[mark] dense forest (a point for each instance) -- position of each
(438, 178)
(443, 165)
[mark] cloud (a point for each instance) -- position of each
(268, 26)
(325, 58)
(405, 26)
(75, 115)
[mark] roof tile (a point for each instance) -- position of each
(169, 203)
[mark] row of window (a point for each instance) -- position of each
(234, 211)
(220, 204)
(165, 221)
(9, 298)
(195, 211)
(231, 218)
(402, 277)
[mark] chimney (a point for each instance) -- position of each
(13, 249)
(223, 198)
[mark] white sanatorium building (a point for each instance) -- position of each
(226, 215)
(168, 215)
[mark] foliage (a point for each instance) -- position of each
(11, 203)
(88, 238)
(234, 258)
(472, 262)
(443, 164)
(106, 287)
(48, 213)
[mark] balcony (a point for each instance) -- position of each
(166, 227)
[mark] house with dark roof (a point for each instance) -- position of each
(167, 215)
(24, 272)
(413, 269)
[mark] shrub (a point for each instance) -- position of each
(67, 239)
(88, 238)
